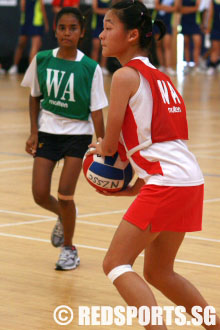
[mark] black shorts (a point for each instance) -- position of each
(56, 147)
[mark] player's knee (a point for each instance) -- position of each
(114, 272)
(40, 197)
(150, 276)
(157, 277)
(21, 44)
(154, 276)
(107, 265)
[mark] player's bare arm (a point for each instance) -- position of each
(125, 83)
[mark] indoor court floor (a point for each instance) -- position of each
(30, 288)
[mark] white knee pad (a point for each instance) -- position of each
(118, 271)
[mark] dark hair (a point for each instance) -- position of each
(135, 15)
(73, 11)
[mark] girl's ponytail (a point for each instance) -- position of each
(161, 27)
(135, 15)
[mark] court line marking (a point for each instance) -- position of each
(212, 175)
(209, 152)
(206, 157)
(50, 219)
(14, 126)
(212, 200)
(198, 155)
(203, 145)
(84, 222)
(25, 222)
(103, 249)
(16, 161)
(31, 160)
(4, 153)
(16, 169)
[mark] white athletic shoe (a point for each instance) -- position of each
(170, 72)
(2, 71)
(210, 71)
(161, 68)
(57, 236)
(202, 63)
(196, 70)
(105, 72)
(13, 70)
(68, 259)
(186, 70)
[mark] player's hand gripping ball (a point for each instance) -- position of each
(107, 173)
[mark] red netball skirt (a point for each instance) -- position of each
(167, 208)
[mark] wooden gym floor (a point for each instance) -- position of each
(30, 288)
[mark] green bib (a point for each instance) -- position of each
(65, 85)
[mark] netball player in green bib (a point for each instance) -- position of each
(66, 101)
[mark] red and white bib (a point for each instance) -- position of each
(154, 130)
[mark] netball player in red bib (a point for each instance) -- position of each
(147, 120)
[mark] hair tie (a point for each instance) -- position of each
(149, 34)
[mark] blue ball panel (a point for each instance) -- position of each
(106, 171)
(110, 160)
(128, 174)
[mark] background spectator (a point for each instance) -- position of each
(165, 9)
(100, 8)
(190, 22)
(214, 30)
(33, 21)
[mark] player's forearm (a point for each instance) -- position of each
(46, 23)
(137, 186)
(168, 9)
(209, 18)
(34, 109)
(101, 11)
(22, 5)
(109, 146)
(56, 9)
(98, 10)
(188, 10)
(98, 121)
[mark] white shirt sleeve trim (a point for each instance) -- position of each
(98, 96)
(31, 79)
